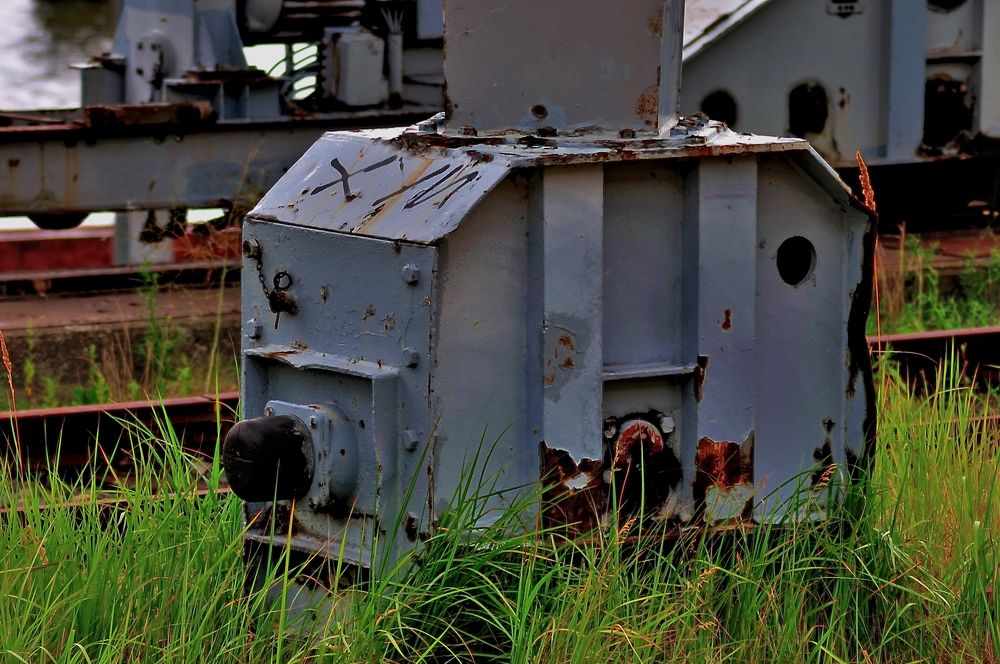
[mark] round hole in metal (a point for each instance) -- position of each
(808, 109)
(796, 260)
(720, 106)
(944, 6)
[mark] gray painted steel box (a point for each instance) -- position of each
(691, 305)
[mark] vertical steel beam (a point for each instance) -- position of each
(572, 214)
(671, 48)
(906, 26)
(720, 292)
(989, 75)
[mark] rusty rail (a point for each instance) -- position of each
(918, 354)
(71, 437)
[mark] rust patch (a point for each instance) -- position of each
(635, 432)
(276, 354)
(727, 320)
(656, 22)
(275, 520)
(559, 355)
(575, 494)
(646, 470)
(700, 373)
(721, 464)
(183, 114)
(566, 341)
(647, 106)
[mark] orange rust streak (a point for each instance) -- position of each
(408, 182)
(637, 433)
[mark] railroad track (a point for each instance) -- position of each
(918, 354)
(72, 437)
(75, 435)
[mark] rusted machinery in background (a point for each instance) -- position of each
(913, 86)
(174, 118)
(641, 310)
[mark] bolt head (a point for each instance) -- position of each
(313, 423)
(251, 249)
(411, 358)
(252, 329)
(411, 439)
(410, 273)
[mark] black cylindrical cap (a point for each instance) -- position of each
(269, 458)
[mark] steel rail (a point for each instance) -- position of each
(72, 437)
(919, 354)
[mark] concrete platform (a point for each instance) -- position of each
(49, 340)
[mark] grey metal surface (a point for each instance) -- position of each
(391, 184)
(874, 60)
(662, 325)
(615, 47)
(577, 301)
(126, 172)
(362, 351)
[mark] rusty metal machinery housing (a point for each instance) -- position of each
(640, 309)
(913, 86)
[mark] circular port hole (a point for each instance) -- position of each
(796, 260)
(720, 106)
(539, 111)
(944, 6)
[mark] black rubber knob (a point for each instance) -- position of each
(269, 458)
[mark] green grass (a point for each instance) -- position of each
(912, 579)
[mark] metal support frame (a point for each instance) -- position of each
(905, 79)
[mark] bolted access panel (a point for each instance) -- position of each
(669, 323)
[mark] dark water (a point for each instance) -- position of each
(39, 40)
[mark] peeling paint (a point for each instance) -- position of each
(700, 373)
(721, 467)
(575, 494)
(647, 106)
(560, 355)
